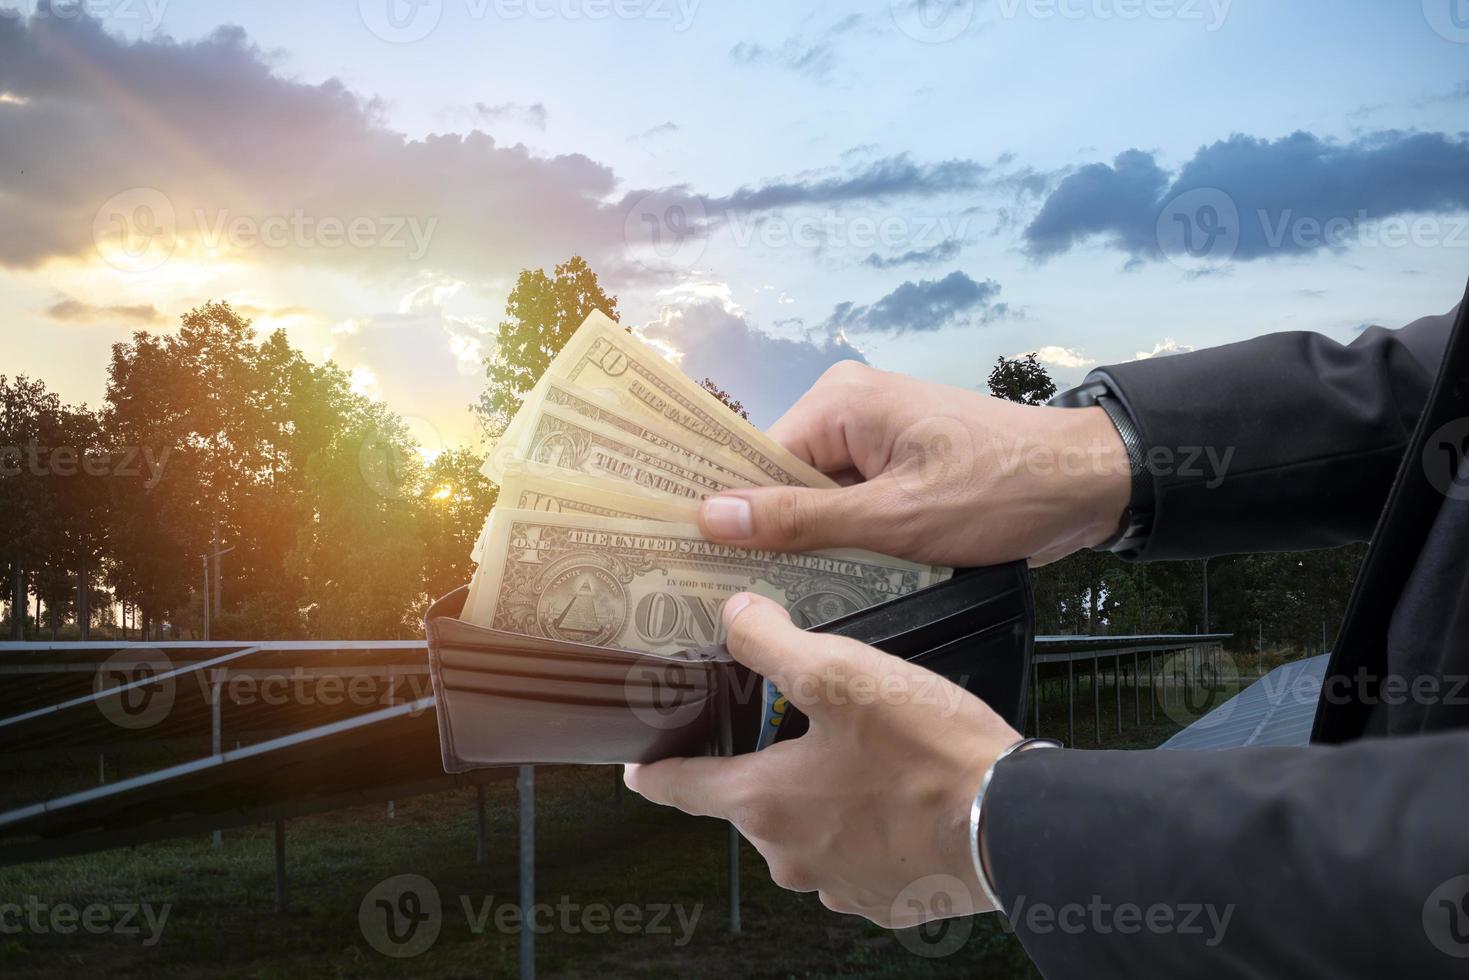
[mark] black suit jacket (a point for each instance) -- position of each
(1339, 859)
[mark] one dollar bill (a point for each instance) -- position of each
(658, 586)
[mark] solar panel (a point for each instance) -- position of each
(1279, 709)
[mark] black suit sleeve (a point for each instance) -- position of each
(1329, 861)
(1283, 443)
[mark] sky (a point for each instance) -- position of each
(768, 187)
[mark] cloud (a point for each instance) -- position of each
(68, 310)
(202, 137)
(531, 115)
(765, 372)
(1061, 357)
(896, 176)
(204, 133)
(1287, 193)
(1164, 348)
(930, 304)
(813, 57)
(662, 129)
(944, 251)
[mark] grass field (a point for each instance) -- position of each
(598, 859)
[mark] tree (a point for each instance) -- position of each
(541, 314)
(455, 500)
(733, 404)
(1021, 379)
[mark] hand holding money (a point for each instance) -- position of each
(595, 537)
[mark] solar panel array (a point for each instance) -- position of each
(1279, 709)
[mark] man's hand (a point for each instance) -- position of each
(871, 807)
(934, 474)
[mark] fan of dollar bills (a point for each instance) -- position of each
(594, 538)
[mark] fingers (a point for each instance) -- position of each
(793, 518)
(840, 423)
(761, 636)
(703, 787)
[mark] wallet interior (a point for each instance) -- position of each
(506, 699)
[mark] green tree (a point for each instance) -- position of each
(541, 314)
(1021, 379)
(454, 502)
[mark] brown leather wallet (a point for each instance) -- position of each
(506, 699)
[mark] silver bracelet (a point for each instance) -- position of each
(976, 811)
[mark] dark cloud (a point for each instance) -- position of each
(764, 372)
(205, 132)
(532, 115)
(1284, 191)
(944, 251)
(930, 304)
(68, 310)
(896, 176)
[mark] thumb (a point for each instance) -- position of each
(790, 518)
(760, 634)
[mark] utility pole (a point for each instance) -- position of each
(1206, 595)
(212, 598)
